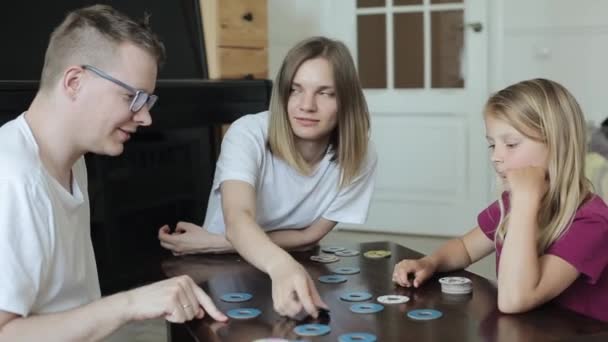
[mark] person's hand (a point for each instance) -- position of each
(528, 182)
(176, 299)
(293, 290)
(422, 269)
(189, 238)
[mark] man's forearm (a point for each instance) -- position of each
(91, 322)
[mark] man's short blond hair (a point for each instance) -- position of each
(92, 35)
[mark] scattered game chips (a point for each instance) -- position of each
(456, 285)
(271, 339)
(324, 258)
(377, 254)
(332, 249)
(357, 337)
(236, 297)
(347, 270)
(332, 279)
(312, 329)
(366, 308)
(424, 314)
(393, 299)
(356, 296)
(244, 313)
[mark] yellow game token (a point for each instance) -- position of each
(377, 254)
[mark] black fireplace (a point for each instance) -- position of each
(163, 176)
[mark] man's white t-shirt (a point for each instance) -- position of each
(46, 254)
(286, 199)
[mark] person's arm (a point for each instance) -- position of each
(526, 280)
(460, 253)
(192, 239)
(299, 238)
(177, 300)
(288, 276)
(455, 254)
(95, 321)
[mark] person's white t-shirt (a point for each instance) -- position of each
(286, 199)
(47, 262)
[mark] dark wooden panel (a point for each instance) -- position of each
(371, 50)
(409, 50)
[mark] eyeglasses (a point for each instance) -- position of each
(140, 97)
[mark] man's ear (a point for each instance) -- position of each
(73, 81)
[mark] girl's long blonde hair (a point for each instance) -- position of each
(545, 111)
(349, 141)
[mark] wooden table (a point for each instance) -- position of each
(465, 318)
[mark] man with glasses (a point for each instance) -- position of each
(95, 91)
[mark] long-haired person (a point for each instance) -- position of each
(96, 89)
(287, 176)
(549, 230)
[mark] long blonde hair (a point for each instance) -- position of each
(349, 141)
(545, 111)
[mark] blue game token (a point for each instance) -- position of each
(243, 313)
(356, 296)
(424, 314)
(332, 279)
(312, 329)
(357, 337)
(365, 308)
(236, 297)
(347, 270)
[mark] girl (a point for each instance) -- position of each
(285, 177)
(549, 230)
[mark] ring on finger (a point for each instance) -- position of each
(185, 306)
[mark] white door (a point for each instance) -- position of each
(424, 66)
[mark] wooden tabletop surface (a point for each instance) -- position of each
(472, 317)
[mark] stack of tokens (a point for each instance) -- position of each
(456, 285)
(377, 254)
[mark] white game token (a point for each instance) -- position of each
(332, 249)
(393, 299)
(347, 253)
(324, 258)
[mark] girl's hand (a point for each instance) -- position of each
(422, 269)
(529, 182)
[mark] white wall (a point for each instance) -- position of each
(564, 40)
(290, 21)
